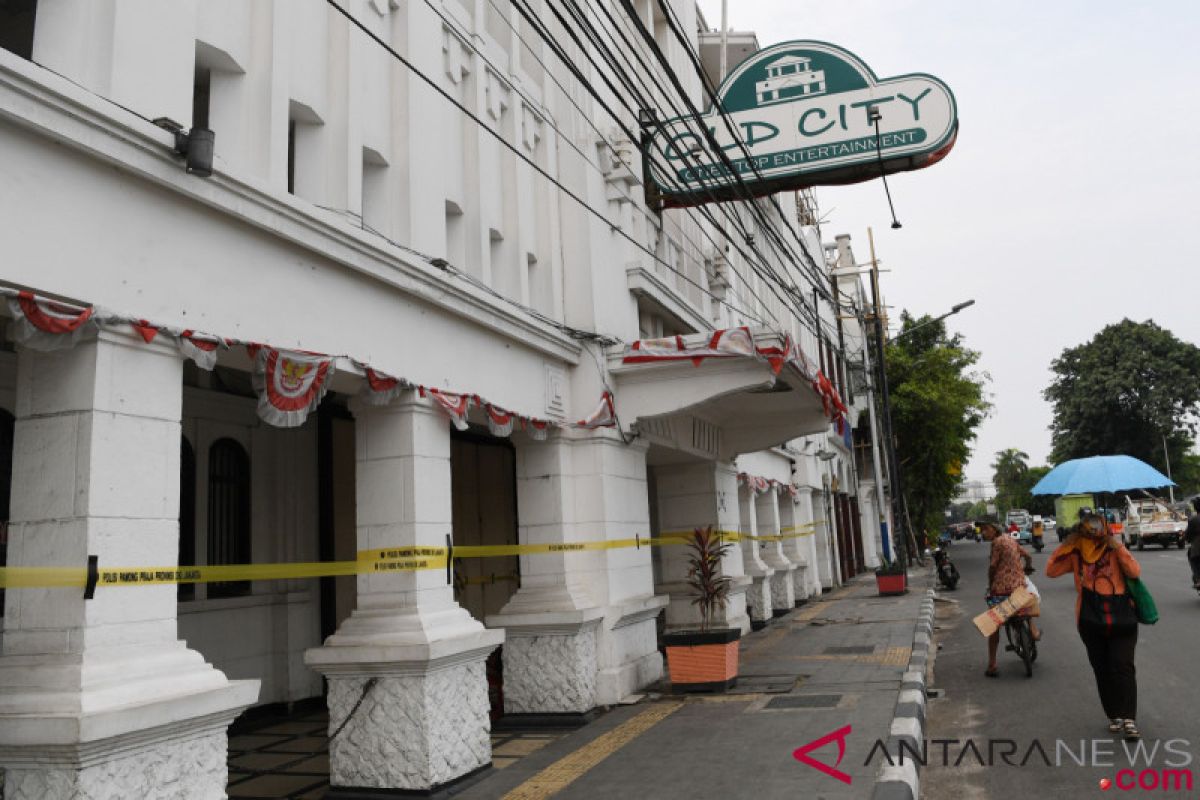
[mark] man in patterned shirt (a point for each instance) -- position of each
(1006, 573)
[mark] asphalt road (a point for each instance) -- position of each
(1059, 707)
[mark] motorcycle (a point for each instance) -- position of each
(946, 571)
(1038, 536)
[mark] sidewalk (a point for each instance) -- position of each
(836, 662)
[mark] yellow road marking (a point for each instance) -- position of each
(568, 769)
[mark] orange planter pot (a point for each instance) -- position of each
(703, 662)
(891, 584)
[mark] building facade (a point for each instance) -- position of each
(401, 315)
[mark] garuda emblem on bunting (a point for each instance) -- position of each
(289, 384)
(44, 324)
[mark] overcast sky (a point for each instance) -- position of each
(1071, 199)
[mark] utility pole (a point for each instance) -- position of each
(901, 541)
(1167, 456)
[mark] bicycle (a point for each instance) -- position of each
(1021, 641)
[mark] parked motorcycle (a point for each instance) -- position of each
(946, 571)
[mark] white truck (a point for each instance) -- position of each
(1149, 520)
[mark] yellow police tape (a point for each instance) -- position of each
(395, 559)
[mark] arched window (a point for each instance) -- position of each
(228, 512)
(187, 514)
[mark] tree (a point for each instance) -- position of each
(937, 405)
(1131, 387)
(1009, 471)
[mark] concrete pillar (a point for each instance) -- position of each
(551, 622)
(783, 590)
(411, 654)
(796, 545)
(693, 496)
(758, 594)
(99, 698)
(809, 514)
(870, 524)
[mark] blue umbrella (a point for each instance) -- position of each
(1101, 474)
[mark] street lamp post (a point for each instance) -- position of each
(953, 310)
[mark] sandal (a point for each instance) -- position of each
(1115, 725)
(991, 672)
(1131, 730)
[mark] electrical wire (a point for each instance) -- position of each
(509, 146)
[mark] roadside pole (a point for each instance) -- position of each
(901, 541)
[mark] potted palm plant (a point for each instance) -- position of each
(705, 659)
(891, 578)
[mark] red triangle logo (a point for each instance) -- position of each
(801, 754)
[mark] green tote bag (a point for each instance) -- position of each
(1144, 607)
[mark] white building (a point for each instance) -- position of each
(354, 210)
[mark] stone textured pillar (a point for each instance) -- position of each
(758, 594)
(783, 590)
(98, 698)
(693, 496)
(811, 512)
(409, 651)
(796, 545)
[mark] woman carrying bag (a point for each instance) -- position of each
(1105, 613)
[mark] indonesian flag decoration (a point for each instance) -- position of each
(456, 406)
(777, 356)
(289, 384)
(605, 415)
(500, 422)
(536, 429)
(761, 485)
(794, 492)
(200, 348)
(43, 324)
(147, 330)
(381, 389)
(722, 344)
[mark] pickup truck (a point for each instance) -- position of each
(1151, 521)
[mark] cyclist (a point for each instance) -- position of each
(1006, 574)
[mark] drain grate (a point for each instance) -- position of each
(765, 684)
(806, 701)
(850, 650)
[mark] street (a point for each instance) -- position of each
(1058, 708)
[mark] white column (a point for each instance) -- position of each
(423, 721)
(694, 496)
(870, 524)
(551, 622)
(99, 697)
(783, 592)
(795, 547)
(758, 594)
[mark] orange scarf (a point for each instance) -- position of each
(1091, 546)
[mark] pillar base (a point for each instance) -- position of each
(441, 792)
(800, 583)
(758, 598)
(422, 723)
(165, 749)
(549, 661)
(628, 649)
(783, 590)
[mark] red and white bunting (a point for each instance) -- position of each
(200, 348)
(605, 415)
(721, 344)
(290, 385)
(45, 325)
(456, 406)
(794, 492)
(147, 330)
(500, 422)
(380, 389)
(536, 429)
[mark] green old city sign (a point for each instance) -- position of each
(801, 110)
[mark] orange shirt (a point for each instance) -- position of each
(1106, 576)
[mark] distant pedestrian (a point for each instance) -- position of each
(1193, 539)
(1104, 614)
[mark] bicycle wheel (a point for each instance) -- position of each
(1025, 646)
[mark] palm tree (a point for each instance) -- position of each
(1009, 468)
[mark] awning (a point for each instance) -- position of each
(721, 394)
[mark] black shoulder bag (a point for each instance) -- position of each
(1104, 614)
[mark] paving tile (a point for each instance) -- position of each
(261, 762)
(274, 786)
(501, 763)
(303, 744)
(252, 742)
(520, 747)
(318, 765)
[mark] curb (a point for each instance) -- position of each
(901, 781)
